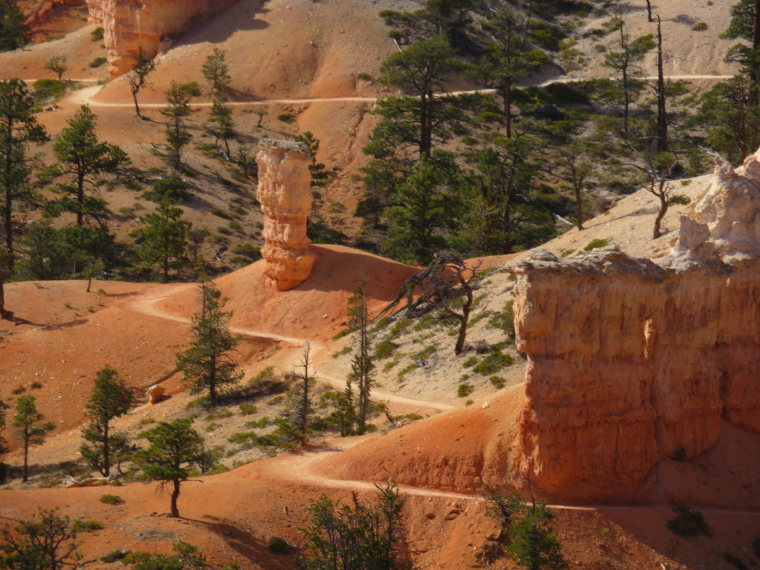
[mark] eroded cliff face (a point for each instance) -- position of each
(632, 361)
(132, 25)
(285, 195)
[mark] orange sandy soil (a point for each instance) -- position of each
(231, 516)
(61, 335)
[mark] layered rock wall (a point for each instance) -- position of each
(631, 361)
(132, 25)
(285, 195)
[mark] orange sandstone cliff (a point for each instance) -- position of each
(147, 25)
(632, 361)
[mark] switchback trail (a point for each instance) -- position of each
(300, 465)
(147, 306)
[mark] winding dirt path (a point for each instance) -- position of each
(300, 465)
(86, 94)
(146, 305)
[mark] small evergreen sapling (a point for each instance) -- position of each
(174, 448)
(208, 364)
(110, 399)
(31, 428)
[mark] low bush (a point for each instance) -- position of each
(596, 244)
(464, 390)
(87, 526)
(384, 349)
(278, 545)
(688, 523)
(114, 556)
(493, 363)
(111, 500)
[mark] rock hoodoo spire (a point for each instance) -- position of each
(285, 196)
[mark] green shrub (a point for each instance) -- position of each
(250, 252)
(341, 334)
(18, 390)
(221, 214)
(688, 523)
(384, 349)
(425, 352)
(472, 361)
(247, 409)
(505, 321)
(286, 118)
(464, 390)
(699, 27)
(35, 385)
(111, 500)
(87, 526)
(97, 62)
(114, 556)
(493, 363)
(49, 89)
(595, 244)
(97, 34)
(278, 545)
(405, 371)
(679, 199)
(497, 382)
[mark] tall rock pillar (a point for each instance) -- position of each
(285, 196)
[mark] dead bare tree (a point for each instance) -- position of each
(303, 408)
(446, 279)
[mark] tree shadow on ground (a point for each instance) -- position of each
(245, 544)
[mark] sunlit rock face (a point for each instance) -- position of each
(631, 361)
(147, 25)
(285, 195)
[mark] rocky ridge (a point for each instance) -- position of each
(640, 360)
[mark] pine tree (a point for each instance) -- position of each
(302, 396)
(31, 428)
(428, 206)
(138, 77)
(366, 536)
(319, 176)
(217, 75)
(83, 158)
(110, 399)
(14, 30)
(207, 364)
(46, 542)
(362, 367)
(18, 130)
(163, 238)
(507, 57)
(625, 61)
(177, 109)
(422, 116)
(174, 448)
